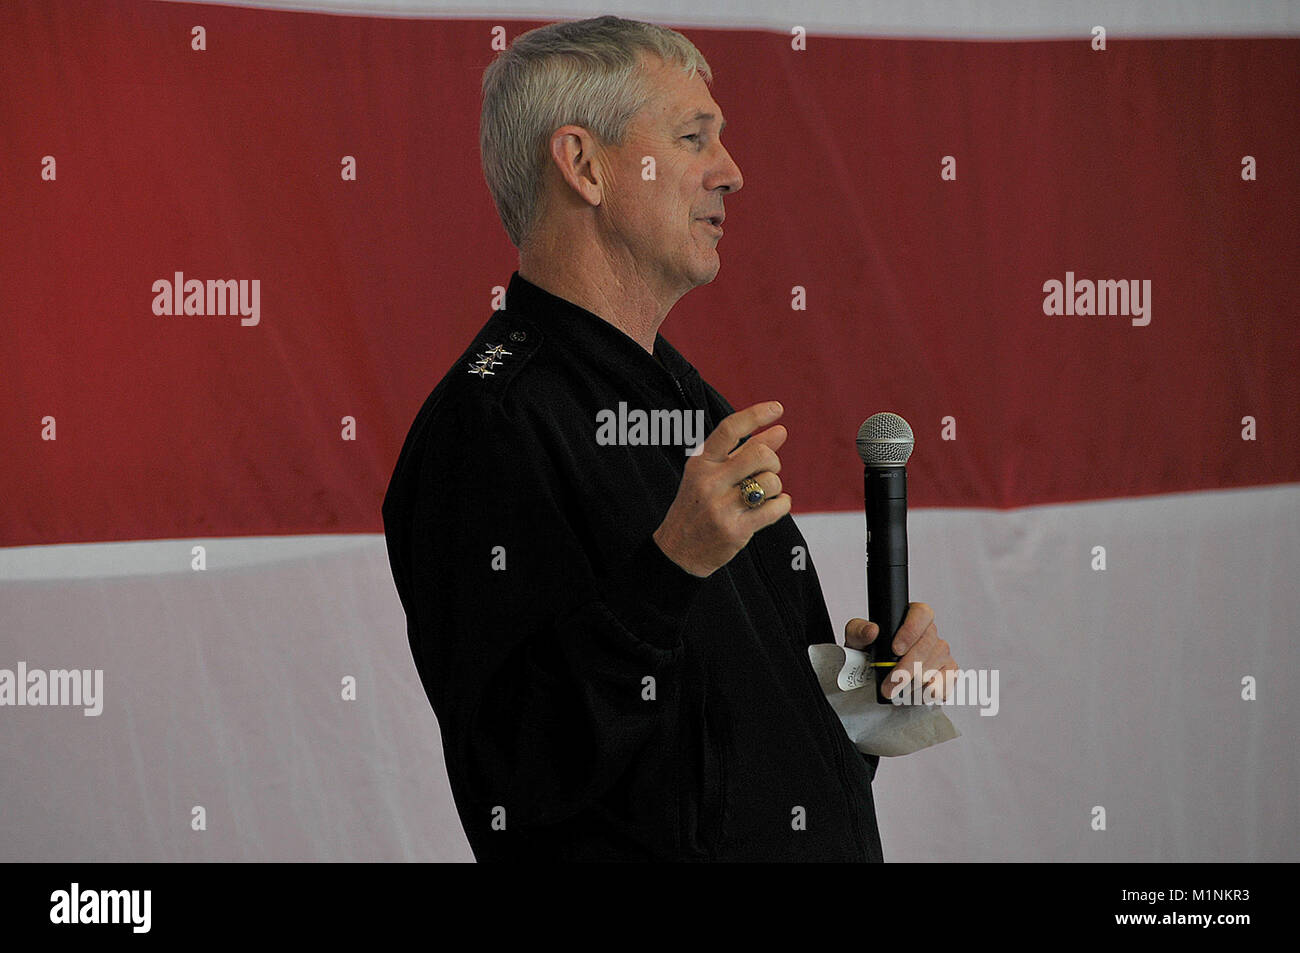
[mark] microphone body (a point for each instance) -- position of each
(885, 495)
(885, 442)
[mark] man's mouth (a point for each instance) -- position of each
(714, 222)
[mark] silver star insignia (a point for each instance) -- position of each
(481, 370)
(497, 350)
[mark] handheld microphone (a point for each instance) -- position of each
(884, 443)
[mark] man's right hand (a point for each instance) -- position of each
(709, 521)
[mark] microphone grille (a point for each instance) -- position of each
(885, 439)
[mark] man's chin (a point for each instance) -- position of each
(706, 274)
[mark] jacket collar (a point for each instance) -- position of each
(578, 330)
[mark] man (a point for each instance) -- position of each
(614, 637)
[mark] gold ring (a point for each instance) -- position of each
(751, 492)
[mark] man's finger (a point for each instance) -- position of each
(939, 677)
(774, 437)
(918, 619)
(773, 509)
(933, 682)
(719, 444)
(754, 457)
(859, 633)
(923, 651)
(770, 482)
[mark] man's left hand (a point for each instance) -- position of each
(917, 641)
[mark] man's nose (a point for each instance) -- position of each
(732, 179)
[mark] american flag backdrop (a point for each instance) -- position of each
(1061, 240)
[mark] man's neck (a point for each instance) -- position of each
(589, 281)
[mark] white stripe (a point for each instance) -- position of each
(160, 557)
(1119, 689)
(985, 19)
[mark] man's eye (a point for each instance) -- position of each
(694, 135)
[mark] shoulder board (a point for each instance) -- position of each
(503, 347)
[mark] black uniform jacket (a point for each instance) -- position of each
(596, 701)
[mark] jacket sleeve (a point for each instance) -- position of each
(554, 679)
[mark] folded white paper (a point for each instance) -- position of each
(847, 681)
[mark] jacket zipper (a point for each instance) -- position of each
(678, 385)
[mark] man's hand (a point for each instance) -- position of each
(917, 640)
(708, 522)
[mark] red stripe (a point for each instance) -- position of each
(925, 297)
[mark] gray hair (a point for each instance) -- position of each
(585, 73)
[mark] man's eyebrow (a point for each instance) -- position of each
(703, 115)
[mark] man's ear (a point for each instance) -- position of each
(574, 154)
